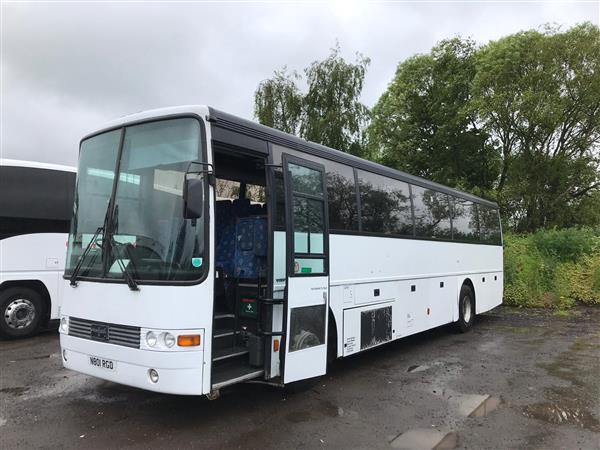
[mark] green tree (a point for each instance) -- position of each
(422, 123)
(278, 102)
(537, 94)
(333, 114)
(517, 120)
(330, 113)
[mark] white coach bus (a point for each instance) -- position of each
(207, 250)
(36, 202)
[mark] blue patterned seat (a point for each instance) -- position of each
(225, 236)
(250, 247)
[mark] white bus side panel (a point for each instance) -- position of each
(35, 257)
(420, 279)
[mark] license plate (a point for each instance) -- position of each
(103, 363)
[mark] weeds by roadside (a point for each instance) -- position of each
(552, 268)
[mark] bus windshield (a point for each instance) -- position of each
(141, 211)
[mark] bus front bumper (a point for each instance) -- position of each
(179, 372)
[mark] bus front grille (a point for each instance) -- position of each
(110, 333)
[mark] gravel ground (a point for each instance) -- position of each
(539, 373)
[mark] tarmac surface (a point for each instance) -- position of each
(519, 379)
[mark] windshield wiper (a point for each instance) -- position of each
(102, 229)
(73, 279)
(129, 279)
(110, 235)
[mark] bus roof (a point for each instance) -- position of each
(4, 162)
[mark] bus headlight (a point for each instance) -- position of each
(151, 339)
(64, 324)
(169, 340)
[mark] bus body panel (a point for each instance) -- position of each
(179, 372)
(422, 290)
(176, 309)
(35, 257)
(391, 259)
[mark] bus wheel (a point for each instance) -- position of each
(22, 311)
(466, 309)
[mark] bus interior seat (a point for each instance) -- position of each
(241, 246)
(251, 247)
(225, 236)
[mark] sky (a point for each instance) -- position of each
(69, 67)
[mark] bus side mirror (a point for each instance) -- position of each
(193, 196)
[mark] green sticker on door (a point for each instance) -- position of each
(197, 262)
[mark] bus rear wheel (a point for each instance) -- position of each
(21, 312)
(466, 309)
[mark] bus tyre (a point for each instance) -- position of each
(22, 311)
(466, 309)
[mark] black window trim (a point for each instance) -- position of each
(450, 196)
(287, 158)
(202, 142)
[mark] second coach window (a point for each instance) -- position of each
(385, 205)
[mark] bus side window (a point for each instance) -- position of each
(489, 221)
(465, 223)
(385, 205)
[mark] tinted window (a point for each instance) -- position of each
(432, 213)
(489, 222)
(33, 193)
(385, 205)
(341, 191)
(308, 219)
(341, 195)
(465, 223)
(306, 180)
(308, 225)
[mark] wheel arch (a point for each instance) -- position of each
(332, 331)
(36, 285)
(468, 282)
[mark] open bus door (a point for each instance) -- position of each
(307, 259)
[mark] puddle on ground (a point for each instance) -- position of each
(449, 442)
(557, 413)
(571, 404)
(425, 439)
(413, 369)
(18, 390)
(486, 407)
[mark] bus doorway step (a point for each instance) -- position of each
(231, 374)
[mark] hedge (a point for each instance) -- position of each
(552, 268)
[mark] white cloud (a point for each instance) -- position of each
(67, 68)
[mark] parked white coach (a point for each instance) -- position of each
(36, 202)
(207, 250)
